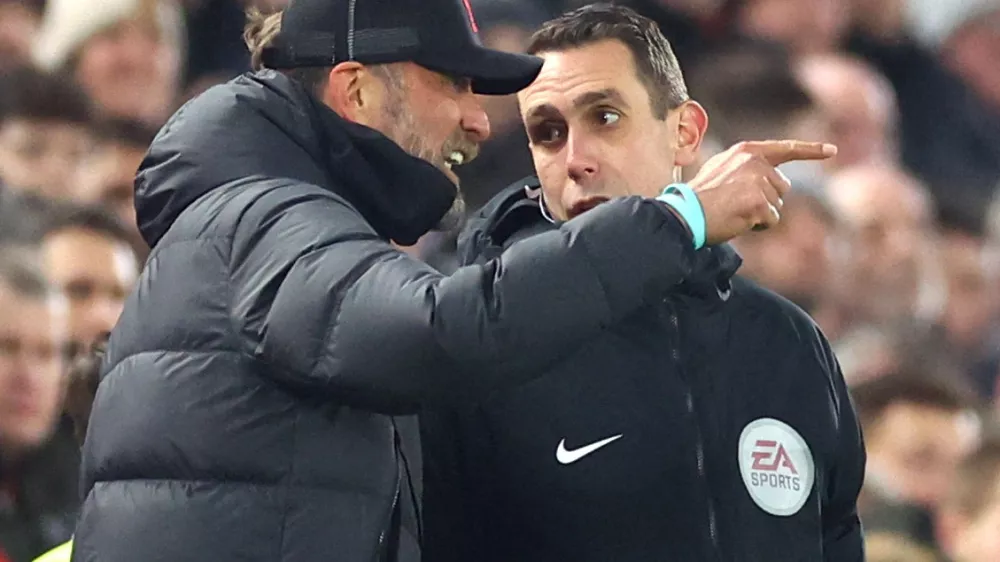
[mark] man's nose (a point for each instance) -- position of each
(475, 122)
(581, 161)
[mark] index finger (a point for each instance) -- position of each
(780, 152)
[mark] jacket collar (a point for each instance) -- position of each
(515, 214)
(403, 197)
(264, 125)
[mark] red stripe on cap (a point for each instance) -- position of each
(472, 18)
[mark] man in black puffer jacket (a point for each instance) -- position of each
(250, 399)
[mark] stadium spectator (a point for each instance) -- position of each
(859, 105)
(970, 50)
(750, 93)
(44, 133)
(38, 492)
(19, 21)
(960, 152)
(918, 428)
(126, 54)
(881, 546)
(82, 381)
(804, 26)
(88, 255)
(969, 517)
(798, 257)
(892, 273)
(971, 266)
(107, 177)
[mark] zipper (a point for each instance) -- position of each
(699, 439)
(381, 555)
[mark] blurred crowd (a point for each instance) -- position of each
(893, 246)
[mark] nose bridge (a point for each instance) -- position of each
(580, 152)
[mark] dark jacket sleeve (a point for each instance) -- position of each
(843, 537)
(323, 303)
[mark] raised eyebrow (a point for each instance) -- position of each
(593, 98)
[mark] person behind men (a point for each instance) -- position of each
(19, 21)
(969, 516)
(88, 255)
(710, 423)
(108, 175)
(81, 387)
(918, 428)
(44, 133)
(892, 271)
(254, 391)
(38, 464)
(127, 54)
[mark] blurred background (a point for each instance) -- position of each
(893, 246)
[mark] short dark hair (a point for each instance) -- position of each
(977, 479)
(127, 132)
(22, 273)
(91, 218)
(749, 90)
(654, 58)
(873, 397)
(31, 94)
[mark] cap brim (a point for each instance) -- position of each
(493, 73)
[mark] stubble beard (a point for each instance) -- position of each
(402, 128)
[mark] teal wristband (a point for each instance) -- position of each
(683, 199)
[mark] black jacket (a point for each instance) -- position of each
(39, 501)
(630, 449)
(250, 392)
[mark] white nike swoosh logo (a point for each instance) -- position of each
(570, 457)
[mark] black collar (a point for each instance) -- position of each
(515, 214)
(403, 197)
(264, 125)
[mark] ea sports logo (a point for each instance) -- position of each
(776, 465)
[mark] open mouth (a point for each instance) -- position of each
(455, 158)
(585, 205)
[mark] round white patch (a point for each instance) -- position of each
(776, 465)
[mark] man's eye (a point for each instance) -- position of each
(608, 117)
(548, 133)
(461, 84)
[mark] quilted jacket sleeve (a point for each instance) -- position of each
(328, 306)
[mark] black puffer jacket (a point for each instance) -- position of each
(247, 402)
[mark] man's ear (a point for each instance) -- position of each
(348, 91)
(692, 122)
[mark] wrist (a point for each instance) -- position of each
(684, 202)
